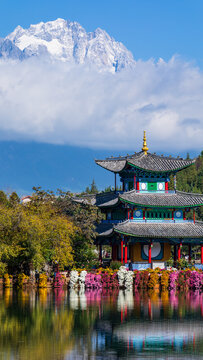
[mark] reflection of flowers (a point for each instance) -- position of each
(73, 298)
(125, 299)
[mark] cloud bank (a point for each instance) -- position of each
(75, 105)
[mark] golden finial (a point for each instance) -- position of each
(145, 148)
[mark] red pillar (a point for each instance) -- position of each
(166, 186)
(172, 214)
(144, 214)
(179, 251)
(128, 214)
(201, 254)
(100, 252)
(135, 182)
(150, 254)
(184, 217)
(126, 254)
(194, 215)
(122, 251)
(189, 252)
(131, 214)
(138, 186)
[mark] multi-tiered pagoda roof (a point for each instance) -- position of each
(151, 162)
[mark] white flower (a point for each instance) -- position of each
(73, 278)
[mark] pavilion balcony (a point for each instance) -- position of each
(148, 191)
(168, 221)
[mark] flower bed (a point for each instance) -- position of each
(109, 279)
(139, 279)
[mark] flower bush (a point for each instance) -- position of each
(153, 279)
(173, 279)
(73, 278)
(108, 279)
(196, 280)
(125, 277)
(59, 280)
(164, 279)
(42, 281)
(22, 280)
(82, 277)
(7, 280)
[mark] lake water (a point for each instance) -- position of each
(65, 325)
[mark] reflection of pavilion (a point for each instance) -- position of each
(171, 333)
(168, 338)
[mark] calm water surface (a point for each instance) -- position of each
(62, 325)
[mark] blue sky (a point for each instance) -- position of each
(150, 29)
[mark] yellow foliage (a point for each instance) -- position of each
(43, 281)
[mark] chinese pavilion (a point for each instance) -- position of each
(145, 219)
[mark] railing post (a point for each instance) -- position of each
(201, 254)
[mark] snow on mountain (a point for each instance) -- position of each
(69, 42)
(8, 50)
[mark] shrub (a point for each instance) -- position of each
(115, 265)
(164, 279)
(153, 279)
(7, 280)
(22, 278)
(43, 281)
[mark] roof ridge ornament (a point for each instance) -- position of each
(145, 148)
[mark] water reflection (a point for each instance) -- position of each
(100, 325)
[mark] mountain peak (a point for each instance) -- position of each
(68, 41)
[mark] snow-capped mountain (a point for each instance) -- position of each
(69, 42)
(8, 50)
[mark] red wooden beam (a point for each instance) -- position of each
(201, 254)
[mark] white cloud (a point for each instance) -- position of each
(76, 105)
